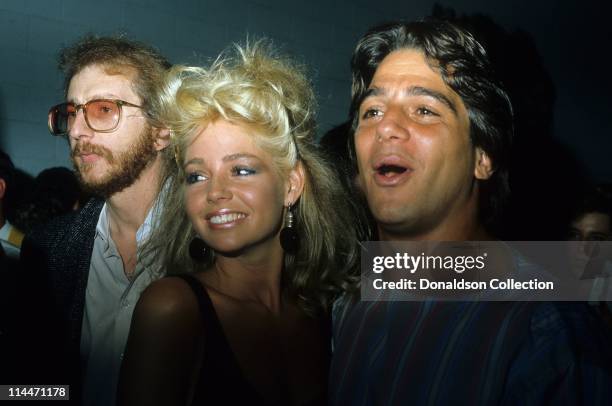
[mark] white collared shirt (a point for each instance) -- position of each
(110, 299)
(10, 249)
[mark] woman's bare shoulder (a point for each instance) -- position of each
(167, 299)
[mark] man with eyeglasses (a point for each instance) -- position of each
(92, 262)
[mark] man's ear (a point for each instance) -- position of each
(483, 166)
(2, 188)
(295, 187)
(162, 138)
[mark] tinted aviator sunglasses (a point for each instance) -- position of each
(101, 115)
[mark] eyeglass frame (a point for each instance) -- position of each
(83, 106)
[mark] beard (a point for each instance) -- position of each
(125, 167)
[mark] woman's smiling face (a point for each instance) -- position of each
(234, 196)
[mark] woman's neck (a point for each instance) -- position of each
(253, 276)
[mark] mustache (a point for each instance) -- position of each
(93, 149)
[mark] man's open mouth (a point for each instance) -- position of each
(390, 170)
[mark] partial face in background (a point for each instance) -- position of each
(234, 196)
(417, 165)
(587, 258)
(107, 163)
(591, 227)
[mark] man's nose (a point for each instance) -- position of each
(394, 126)
(79, 126)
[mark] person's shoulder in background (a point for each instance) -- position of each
(566, 359)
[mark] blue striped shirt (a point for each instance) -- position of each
(472, 353)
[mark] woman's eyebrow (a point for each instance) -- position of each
(193, 161)
(239, 155)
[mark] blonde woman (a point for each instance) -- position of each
(260, 226)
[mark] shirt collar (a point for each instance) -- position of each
(151, 219)
(102, 232)
(5, 230)
(145, 228)
(102, 226)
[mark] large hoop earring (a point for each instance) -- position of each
(289, 238)
(198, 249)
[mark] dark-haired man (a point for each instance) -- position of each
(432, 130)
(91, 259)
(592, 220)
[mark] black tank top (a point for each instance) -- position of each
(221, 381)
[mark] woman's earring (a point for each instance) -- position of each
(198, 249)
(289, 239)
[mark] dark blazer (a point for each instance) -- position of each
(56, 259)
(9, 333)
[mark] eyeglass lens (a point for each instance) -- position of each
(100, 115)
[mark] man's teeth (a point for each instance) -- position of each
(226, 218)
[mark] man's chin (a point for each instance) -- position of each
(96, 188)
(397, 219)
(100, 184)
(89, 171)
(390, 212)
(89, 179)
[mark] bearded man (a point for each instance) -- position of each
(91, 261)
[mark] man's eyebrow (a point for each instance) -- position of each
(373, 91)
(97, 96)
(423, 91)
(414, 91)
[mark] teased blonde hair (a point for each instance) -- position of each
(251, 85)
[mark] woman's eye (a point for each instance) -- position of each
(242, 171)
(194, 177)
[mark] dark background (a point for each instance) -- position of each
(572, 39)
(553, 57)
